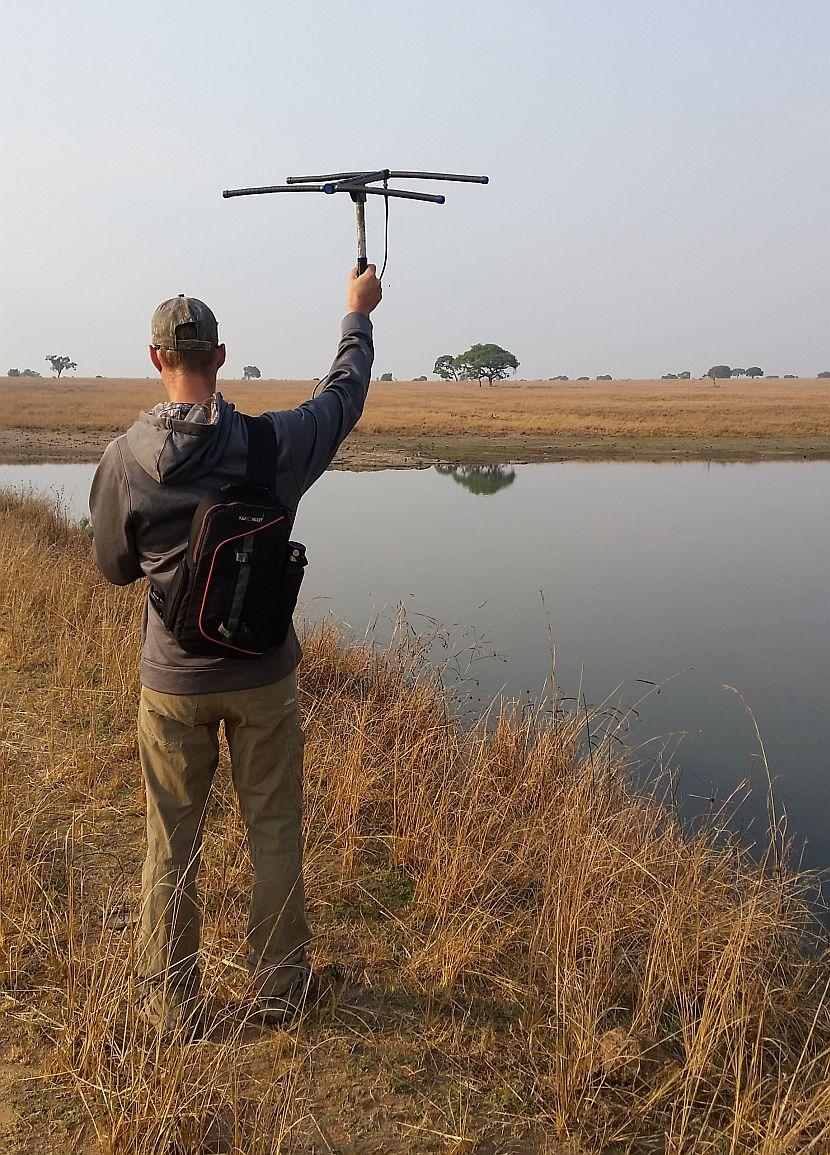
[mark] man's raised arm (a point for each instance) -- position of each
(315, 430)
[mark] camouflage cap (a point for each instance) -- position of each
(184, 323)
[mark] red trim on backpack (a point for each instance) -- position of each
(227, 541)
(208, 512)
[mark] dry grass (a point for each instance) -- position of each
(430, 419)
(531, 947)
(639, 409)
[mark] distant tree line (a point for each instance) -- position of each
(477, 363)
(59, 364)
(472, 365)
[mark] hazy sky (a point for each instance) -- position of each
(659, 199)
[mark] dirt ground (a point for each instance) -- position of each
(411, 424)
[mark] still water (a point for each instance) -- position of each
(692, 576)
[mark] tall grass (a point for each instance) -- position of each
(529, 945)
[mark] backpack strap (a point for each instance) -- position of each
(261, 468)
(244, 556)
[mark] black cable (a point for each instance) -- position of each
(385, 230)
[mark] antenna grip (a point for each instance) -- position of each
(360, 223)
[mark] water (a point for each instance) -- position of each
(691, 576)
(65, 485)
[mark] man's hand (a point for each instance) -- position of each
(364, 292)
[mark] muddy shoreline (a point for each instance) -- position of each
(362, 451)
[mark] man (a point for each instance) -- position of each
(143, 498)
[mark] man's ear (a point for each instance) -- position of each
(154, 357)
(220, 357)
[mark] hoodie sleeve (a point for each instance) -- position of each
(315, 430)
(113, 541)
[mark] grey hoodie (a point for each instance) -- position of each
(152, 477)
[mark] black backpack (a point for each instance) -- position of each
(235, 590)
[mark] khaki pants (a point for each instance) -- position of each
(179, 745)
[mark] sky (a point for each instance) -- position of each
(658, 200)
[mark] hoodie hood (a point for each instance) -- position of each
(173, 452)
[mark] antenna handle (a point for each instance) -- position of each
(360, 224)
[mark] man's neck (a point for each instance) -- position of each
(189, 390)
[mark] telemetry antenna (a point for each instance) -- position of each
(359, 185)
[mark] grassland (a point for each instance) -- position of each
(414, 423)
(535, 956)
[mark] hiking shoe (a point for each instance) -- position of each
(175, 1019)
(287, 1009)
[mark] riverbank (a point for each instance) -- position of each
(412, 424)
(530, 948)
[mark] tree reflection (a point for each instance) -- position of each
(484, 479)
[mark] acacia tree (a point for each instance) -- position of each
(444, 368)
(251, 372)
(755, 371)
(490, 361)
(59, 363)
(719, 373)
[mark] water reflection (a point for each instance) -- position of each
(483, 479)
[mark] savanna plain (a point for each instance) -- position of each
(415, 423)
(526, 951)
